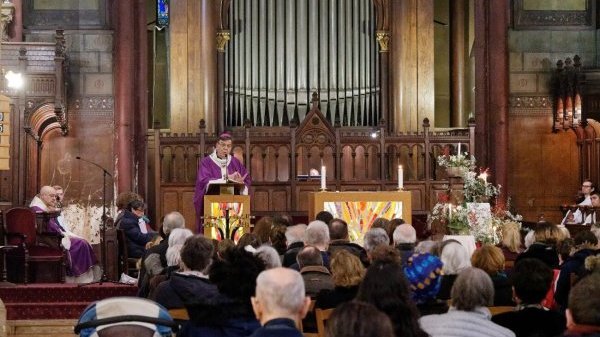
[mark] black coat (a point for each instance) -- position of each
(136, 240)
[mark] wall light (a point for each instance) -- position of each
(15, 80)
(374, 133)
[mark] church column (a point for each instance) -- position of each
(141, 116)
(457, 65)
(491, 88)
(124, 93)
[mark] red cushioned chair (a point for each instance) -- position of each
(33, 248)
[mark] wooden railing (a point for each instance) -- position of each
(277, 158)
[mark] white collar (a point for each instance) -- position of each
(38, 202)
(220, 162)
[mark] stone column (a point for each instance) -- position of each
(124, 93)
(457, 65)
(141, 116)
(491, 89)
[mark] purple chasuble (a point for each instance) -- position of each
(81, 255)
(208, 171)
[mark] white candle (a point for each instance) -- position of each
(323, 177)
(483, 177)
(400, 177)
(458, 149)
(449, 211)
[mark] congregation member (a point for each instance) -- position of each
(386, 287)
(375, 237)
(531, 279)
(277, 239)
(347, 273)
(490, 259)
(176, 241)
(229, 314)
(154, 260)
(191, 283)
(218, 167)
(455, 259)
(339, 238)
(380, 223)
(280, 302)
(324, 216)
(249, 239)
(424, 274)
(585, 244)
(136, 232)
(269, 256)
(391, 227)
(317, 235)
(583, 312)
(546, 237)
(468, 316)
(81, 258)
(356, 319)
(316, 277)
(511, 241)
(294, 236)
(405, 239)
(262, 228)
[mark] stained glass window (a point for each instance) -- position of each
(162, 13)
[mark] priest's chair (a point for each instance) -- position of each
(33, 251)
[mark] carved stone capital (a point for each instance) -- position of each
(223, 36)
(383, 38)
(8, 12)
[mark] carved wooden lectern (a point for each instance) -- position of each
(226, 211)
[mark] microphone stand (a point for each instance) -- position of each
(105, 173)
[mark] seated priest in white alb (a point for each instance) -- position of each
(82, 261)
(587, 188)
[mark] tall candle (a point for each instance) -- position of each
(449, 211)
(458, 149)
(323, 177)
(400, 177)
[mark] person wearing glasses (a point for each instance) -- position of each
(587, 188)
(219, 166)
(136, 231)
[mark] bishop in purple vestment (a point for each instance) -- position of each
(219, 165)
(80, 252)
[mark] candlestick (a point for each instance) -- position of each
(400, 177)
(323, 178)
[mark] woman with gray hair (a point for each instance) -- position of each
(455, 259)
(468, 316)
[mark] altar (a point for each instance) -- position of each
(360, 209)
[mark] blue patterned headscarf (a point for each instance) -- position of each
(424, 272)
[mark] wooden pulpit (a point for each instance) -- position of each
(360, 209)
(226, 211)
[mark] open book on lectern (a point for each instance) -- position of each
(224, 187)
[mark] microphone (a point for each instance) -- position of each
(97, 165)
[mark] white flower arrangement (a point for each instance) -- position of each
(461, 160)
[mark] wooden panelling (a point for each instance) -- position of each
(280, 201)
(260, 200)
(170, 201)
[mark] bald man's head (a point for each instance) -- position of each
(48, 196)
(280, 293)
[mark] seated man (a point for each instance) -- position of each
(81, 257)
(316, 276)
(587, 188)
(339, 239)
(279, 303)
(583, 313)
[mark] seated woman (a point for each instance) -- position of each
(347, 272)
(472, 292)
(491, 260)
(511, 241)
(81, 257)
(455, 259)
(546, 237)
(136, 232)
